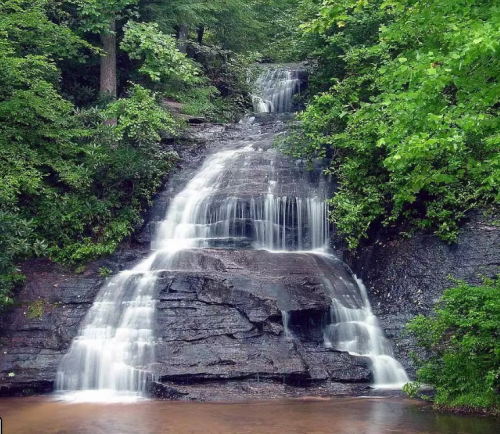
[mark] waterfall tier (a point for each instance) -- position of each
(275, 89)
(250, 194)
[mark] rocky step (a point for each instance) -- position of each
(219, 319)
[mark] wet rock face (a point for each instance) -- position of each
(228, 325)
(221, 325)
(35, 334)
(406, 277)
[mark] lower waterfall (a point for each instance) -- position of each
(246, 196)
(355, 329)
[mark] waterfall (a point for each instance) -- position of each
(115, 344)
(245, 197)
(275, 89)
(205, 215)
(286, 324)
(111, 358)
(354, 328)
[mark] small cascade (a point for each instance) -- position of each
(264, 216)
(286, 324)
(354, 328)
(275, 89)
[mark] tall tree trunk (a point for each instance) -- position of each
(183, 36)
(108, 61)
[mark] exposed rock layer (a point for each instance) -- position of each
(223, 325)
(405, 277)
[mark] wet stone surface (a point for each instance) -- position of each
(406, 277)
(221, 325)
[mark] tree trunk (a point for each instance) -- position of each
(201, 33)
(108, 61)
(183, 36)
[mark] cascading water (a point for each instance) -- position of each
(111, 357)
(217, 208)
(115, 344)
(275, 89)
(245, 197)
(354, 328)
(286, 324)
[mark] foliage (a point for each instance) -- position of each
(231, 24)
(120, 168)
(281, 31)
(161, 60)
(105, 272)
(227, 73)
(72, 184)
(95, 15)
(15, 242)
(463, 343)
(36, 309)
(410, 124)
(177, 77)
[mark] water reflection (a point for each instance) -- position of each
(336, 416)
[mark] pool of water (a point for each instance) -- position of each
(332, 416)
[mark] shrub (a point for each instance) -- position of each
(462, 340)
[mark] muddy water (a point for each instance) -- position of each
(336, 416)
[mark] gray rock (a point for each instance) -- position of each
(405, 277)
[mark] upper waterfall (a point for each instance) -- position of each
(276, 87)
(249, 197)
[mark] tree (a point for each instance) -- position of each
(411, 121)
(100, 17)
(231, 24)
(68, 191)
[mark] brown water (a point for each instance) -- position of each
(335, 416)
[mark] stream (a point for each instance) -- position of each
(335, 416)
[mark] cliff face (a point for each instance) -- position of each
(406, 277)
(213, 327)
(220, 325)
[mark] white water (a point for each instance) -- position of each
(115, 344)
(199, 216)
(239, 195)
(286, 324)
(275, 89)
(112, 356)
(356, 329)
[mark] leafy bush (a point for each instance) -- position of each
(463, 343)
(161, 60)
(73, 183)
(120, 167)
(411, 122)
(16, 241)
